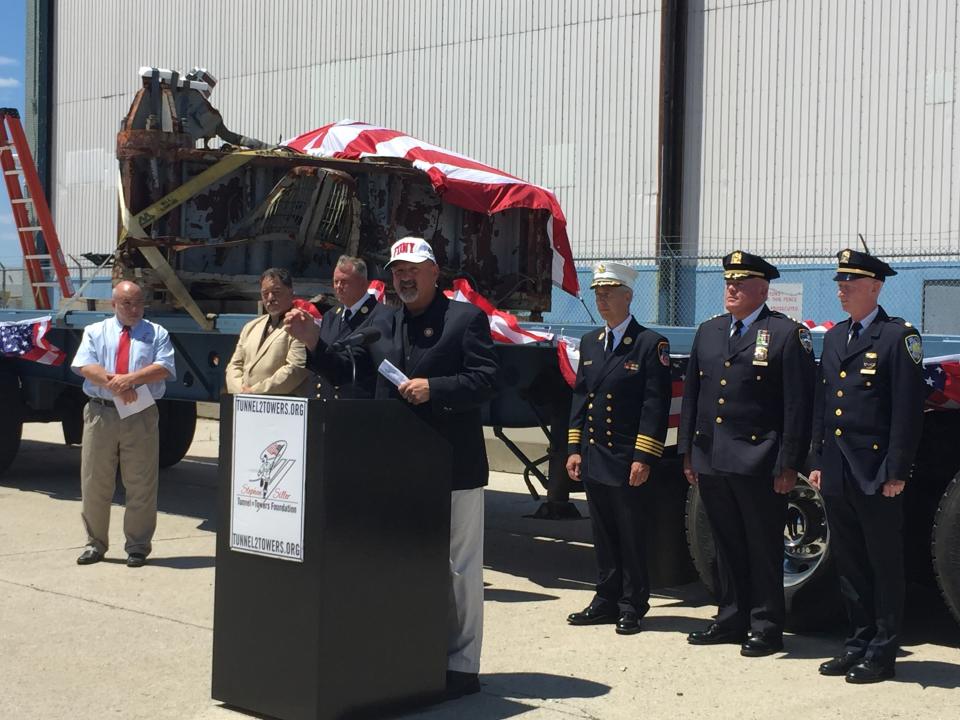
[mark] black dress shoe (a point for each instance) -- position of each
(136, 560)
(840, 664)
(592, 616)
(715, 635)
(760, 645)
(89, 557)
(460, 684)
(628, 624)
(870, 671)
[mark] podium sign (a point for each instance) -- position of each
(269, 472)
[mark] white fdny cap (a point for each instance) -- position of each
(612, 274)
(411, 249)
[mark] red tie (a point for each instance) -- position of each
(123, 352)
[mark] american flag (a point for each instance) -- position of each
(26, 339)
(942, 377)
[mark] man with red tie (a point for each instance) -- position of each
(115, 357)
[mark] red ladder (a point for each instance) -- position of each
(13, 146)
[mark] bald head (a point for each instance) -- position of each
(127, 302)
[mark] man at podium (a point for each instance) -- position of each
(446, 355)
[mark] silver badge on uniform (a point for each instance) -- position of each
(428, 332)
(761, 348)
(869, 364)
(806, 340)
(364, 309)
(627, 340)
(914, 347)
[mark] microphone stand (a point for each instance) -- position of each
(353, 367)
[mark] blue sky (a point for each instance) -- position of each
(12, 44)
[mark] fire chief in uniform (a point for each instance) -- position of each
(867, 422)
(744, 433)
(618, 422)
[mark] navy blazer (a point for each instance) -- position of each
(740, 417)
(621, 404)
(869, 404)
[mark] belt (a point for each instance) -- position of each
(101, 401)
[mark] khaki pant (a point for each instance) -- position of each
(134, 443)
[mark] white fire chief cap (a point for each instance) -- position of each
(411, 249)
(612, 274)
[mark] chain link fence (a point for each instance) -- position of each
(684, 291)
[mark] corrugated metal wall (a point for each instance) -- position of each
(809, 121)
(561, 93)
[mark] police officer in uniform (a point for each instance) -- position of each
(618, 423)
(358, 309)
(867, 422)
(744, 433)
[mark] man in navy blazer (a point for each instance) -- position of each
(868, 416)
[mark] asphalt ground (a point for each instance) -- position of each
(107, 641)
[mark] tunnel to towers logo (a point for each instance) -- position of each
(273, 467)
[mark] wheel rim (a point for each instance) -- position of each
(806, 536)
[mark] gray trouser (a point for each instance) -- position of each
(134, 443)
(466, 573)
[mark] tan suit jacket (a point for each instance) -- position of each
(274, 368)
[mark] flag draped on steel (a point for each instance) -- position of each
(458, 179)
(26, 339)
(942, 377)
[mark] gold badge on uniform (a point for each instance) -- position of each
(601, 268)
(627, 340)
(736, 258)
(761, 348)
(845, 256)
(869, 364)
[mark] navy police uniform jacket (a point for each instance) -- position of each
(748, 410)
(450, 345)
(869, 404)
(334, 378)
(620, 404)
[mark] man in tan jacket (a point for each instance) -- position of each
(268, 360)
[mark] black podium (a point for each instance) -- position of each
(360, 626)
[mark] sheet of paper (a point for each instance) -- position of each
(392, 373)
(143, 401)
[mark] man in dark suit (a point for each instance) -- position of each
(445, 350)
(868, 417)
(744, 433)
(358, 309)
(618, 423)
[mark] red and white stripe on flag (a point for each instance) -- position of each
(378, 289)
(27, 339)
(503, 326)
(458, 179)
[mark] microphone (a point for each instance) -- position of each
(361, 338)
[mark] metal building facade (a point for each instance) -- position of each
(563, 94)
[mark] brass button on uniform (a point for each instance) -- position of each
(701, 373)
(723, 381)
(868, 383)
(589, 417)
(876, 447)
(838, 432)
(609, 444)
(591, 429)
(843, 373)
(719, 420)
(726, 363)
(609, 433)
(592, 394)
(839, 393)
(839, 412)
(590, 406)
(609, 420)
(592, 441)
(753, 437)
(609, 396)
(721, 401)
(609, 408)
(759, 378)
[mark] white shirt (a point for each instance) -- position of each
(747, 321)
(618, 332)
(355, 308)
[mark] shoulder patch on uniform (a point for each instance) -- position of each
(806, 339)
(663, 352)
(914, 347)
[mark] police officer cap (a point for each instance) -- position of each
(854, 265)
(738, 265)
(612, 274)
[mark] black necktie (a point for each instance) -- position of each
(608, 346)
(346, 317)
(735, 335)
(854, 332)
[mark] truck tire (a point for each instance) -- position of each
(945, 547)
(177, 423)
(811, 589)
(11, 418)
